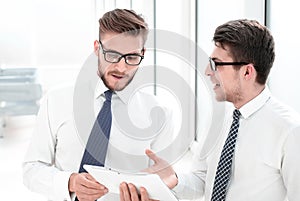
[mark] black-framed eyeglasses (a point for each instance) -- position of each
(213, 64)
(131, 59)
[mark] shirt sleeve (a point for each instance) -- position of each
(291, 164)
(191, 184)
(39, 173)
(47, 180)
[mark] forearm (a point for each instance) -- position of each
(47, 180)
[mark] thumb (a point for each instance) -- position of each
(152, 155)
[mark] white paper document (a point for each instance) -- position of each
(112, 179)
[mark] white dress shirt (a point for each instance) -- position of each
(266, 163)
(56, 148)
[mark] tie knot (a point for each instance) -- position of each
(108, 95)
(236, 114)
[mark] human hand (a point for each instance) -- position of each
(128, 192)
(86, 187)
(163, 169)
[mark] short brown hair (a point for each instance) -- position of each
(123, 21)
(250, 42)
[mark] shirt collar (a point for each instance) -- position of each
(255, 104)
(101, 88)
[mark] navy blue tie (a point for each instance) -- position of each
(224, 166)
(96, 148)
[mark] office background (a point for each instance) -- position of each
(56, 37)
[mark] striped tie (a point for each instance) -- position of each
(224, 166)
(96, 147)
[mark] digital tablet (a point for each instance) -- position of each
(112, 179)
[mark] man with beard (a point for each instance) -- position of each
(54, 162)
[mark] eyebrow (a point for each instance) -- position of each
(111, 50)
(215, 59)
(107, 49)
(114, 51)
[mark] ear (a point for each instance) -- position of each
(96, 47)
(249, 72)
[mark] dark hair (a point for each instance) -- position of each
(248, 41)
(123, 21)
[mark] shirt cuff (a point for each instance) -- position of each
(61, 186)
(180, 184)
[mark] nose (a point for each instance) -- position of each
(208, 71)
(121, 65)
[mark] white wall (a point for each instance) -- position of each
(284, 25)
(213, 13)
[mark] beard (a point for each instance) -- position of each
(117, 85)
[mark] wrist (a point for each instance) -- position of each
(172, 180)
(175, 180)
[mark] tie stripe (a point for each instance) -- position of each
(224, 166)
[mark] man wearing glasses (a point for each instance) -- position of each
(54, 162)
(256, 155)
